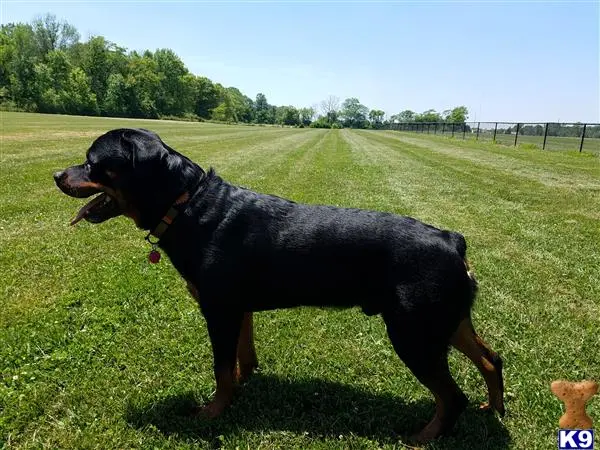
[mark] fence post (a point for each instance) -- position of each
(477, 137)
(443, 127)
(517, 134)
(435, 128)
(428, 125)
(582, 137)
(545, 136)
(452, 129)
(464, 130)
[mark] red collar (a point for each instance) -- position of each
(154, 255)
(168, 217)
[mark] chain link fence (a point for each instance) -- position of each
(542, 135)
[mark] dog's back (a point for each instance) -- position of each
(277, 253)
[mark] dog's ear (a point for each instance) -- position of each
(149, 152)
(144, 147)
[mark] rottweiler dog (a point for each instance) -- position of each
(242, 251)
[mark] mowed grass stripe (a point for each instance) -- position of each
(565, 169)
(208, 138)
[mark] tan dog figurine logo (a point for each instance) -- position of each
(575, 395)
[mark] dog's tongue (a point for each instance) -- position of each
(89, 205)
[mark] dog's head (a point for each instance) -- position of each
(135, 174)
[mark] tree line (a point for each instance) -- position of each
(44, 67)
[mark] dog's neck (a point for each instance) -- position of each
(169, 217)
(175, 208)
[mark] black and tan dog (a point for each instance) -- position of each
(241, 251)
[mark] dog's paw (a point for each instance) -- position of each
(244, 372)
(217, 405)
(211, 410)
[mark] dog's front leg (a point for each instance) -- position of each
(224, 330)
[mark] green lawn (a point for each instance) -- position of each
(101, 349)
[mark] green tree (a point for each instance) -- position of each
(206, 97)
(233, 105)
(376, 117)
(51, 34)
(225, 111)
(306, 115)
(77, 95)
(262, 109)
(287, 115)
(330, 107)
(353, 113)
(143, 84)
(174, 88)
(47, 96)
(428, 116)
(118, 96)
(51, 78)
(96, 61)
(321, 122)
(18, 57)
(459, 114)
(405, 116)
(241, 104)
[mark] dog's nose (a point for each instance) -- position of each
(58, 175)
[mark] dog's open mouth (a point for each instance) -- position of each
(100, 208)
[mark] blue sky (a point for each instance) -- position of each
(511, 61)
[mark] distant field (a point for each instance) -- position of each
(100, 349)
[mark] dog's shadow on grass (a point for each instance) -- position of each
(318, 408)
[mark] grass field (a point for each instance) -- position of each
(101, 349)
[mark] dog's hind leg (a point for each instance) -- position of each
(429, 364)
(489, 363)
(246, 353)
(224, 330)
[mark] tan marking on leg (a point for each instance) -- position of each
(473, 347)
(246, 352)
